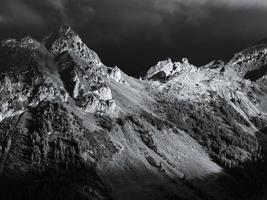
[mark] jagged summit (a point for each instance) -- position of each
(26, 42)
(65, 39)
(65, 29)
(67, 71)
(167, 68)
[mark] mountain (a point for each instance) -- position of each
(251, 63)
(73, 128)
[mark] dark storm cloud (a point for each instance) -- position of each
(139, 32)
(17, 11)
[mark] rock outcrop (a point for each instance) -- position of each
(251, 63)
(165, 69)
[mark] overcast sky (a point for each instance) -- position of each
(135, 34)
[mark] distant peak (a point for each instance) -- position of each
(26, 43)
(167, 68)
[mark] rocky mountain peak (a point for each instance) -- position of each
(26, 42)
(65, 39)
(166, 68)
(65, 29)
(61, 68)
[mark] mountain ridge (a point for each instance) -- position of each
(68, 119)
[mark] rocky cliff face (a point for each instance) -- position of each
(73, 128)
(251, 63)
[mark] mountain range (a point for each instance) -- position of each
(73, 128)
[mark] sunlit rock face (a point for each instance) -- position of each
(67, 40)
(251, 63)
(214, 88)
(86, 82)
(117, 75)
(165, 69)
(73, 128)
(25, 79)
(32, 74)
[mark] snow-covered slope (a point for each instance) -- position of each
(74, 128)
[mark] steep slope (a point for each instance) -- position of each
(73, 128)
(216, 97)
(225, 113)
(251, 63)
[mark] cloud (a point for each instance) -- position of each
(130, 13)
(119, 20)
(57, 4)
(17, 11)
(2, 19)
(219, 3)
(158, 27)
(242, 3)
